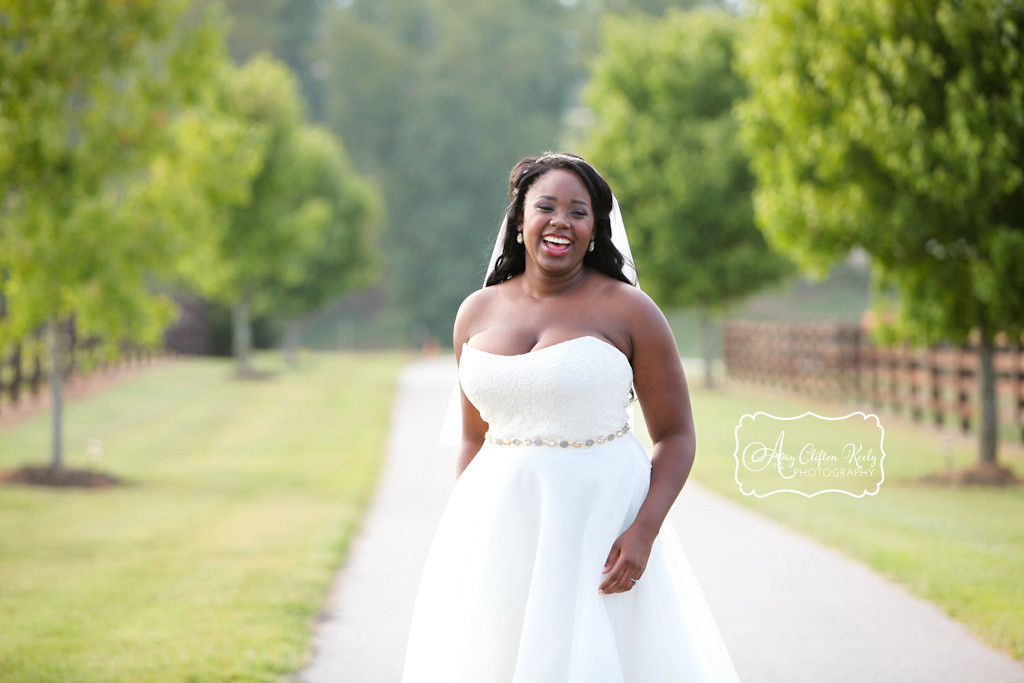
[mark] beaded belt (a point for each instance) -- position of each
(530, 441)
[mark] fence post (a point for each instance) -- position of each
(963, 404)
(935, 379)
(871, 356)
(893, 381)
(913, 390)
(4, 360)
(14, 388)
(859, 366)
(36, 379)
(1016, 353)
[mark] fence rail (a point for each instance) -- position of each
(24, 366)
(827, 360)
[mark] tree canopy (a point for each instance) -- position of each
(88, 99)
(662, 93)
(105, 163)
(304, 230)
(439, 99)
(286, 28)
(899, 128)
(347, 253)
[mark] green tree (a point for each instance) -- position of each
(294, 211)
(898, 127)
(654, 8)
(439, 100)
(662, 95)
(430, 94)
(346, 254)
(286, 28)
(89, 93)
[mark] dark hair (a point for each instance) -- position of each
(605, 257)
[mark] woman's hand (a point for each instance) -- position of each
(627, 560)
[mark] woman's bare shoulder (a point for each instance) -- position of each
(479, 301)
(629, 301)
(473, 311)
(641, 322)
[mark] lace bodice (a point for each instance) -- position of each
(577, 389)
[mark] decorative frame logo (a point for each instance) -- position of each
(844, 461)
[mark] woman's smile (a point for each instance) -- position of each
(558, 220)
(555, 245)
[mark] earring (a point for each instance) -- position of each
(519, 237)
(591, 247)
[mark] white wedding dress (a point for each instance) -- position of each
(510, 588)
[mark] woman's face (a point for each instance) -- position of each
(558, 220)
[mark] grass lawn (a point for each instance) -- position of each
(214, 563)
(961, 548)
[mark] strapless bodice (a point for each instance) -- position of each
(578, 389)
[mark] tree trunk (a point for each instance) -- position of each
(707, 346)
(241, 336)
(57, 390)
(988, 444)
(292, 334)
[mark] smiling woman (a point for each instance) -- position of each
(556, 217)
(595, 202)
(548, 565)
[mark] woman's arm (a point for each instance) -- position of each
(473, 430)
(661, 388)
(473, 426)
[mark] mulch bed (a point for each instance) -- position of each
(63, 477)
(979, 475)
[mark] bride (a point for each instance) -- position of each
(547, 565)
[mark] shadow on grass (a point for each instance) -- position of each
(64, 477)
(978, 475)
(254, 375)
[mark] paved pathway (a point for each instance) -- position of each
(789, 609)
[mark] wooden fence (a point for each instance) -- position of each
(24, 370)
(938, 384)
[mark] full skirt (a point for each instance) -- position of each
(510, 587)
